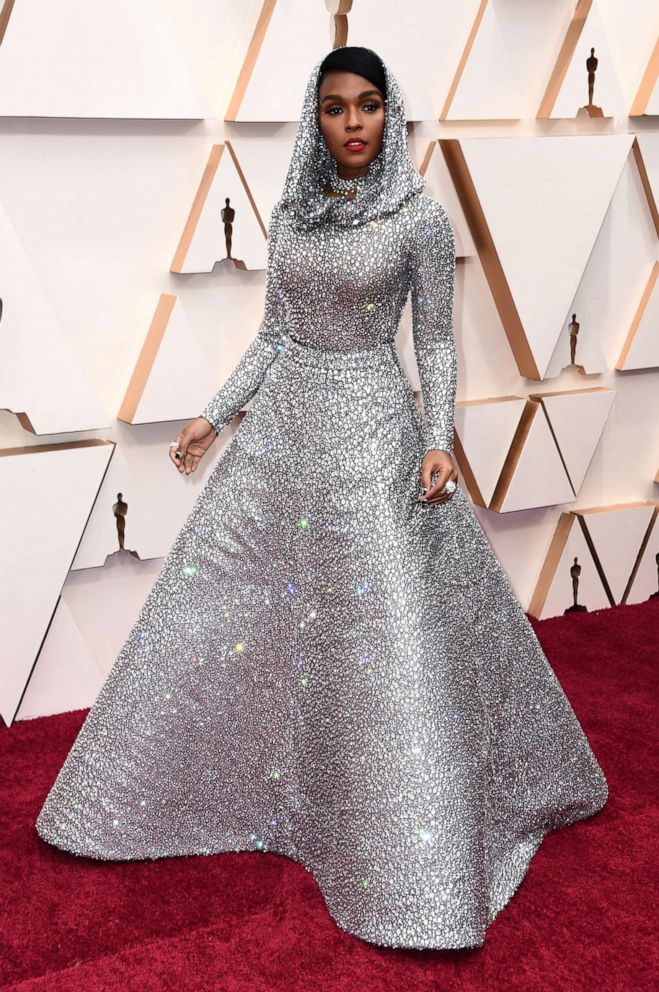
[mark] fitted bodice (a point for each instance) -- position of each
(339, 287)
(344, 289)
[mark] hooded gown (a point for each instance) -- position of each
(327, 668)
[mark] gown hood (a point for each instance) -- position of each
(390, 180)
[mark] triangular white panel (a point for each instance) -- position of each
(47, 496)
(409, 39)
(544, 200)
(205, 239)
(617, 535)
(491, 84)
(646, 580)
(577, 418)
(38, 359)
(54, 688)
(486, 430)
(539, 478)
(590, 591)
(266, 184)
(440, 187)
(633, 40)
(643, 351)
(180, 379)
(158, 497)
(292, 35)
(653, 102)
(101, 536)
(296, 35)
(82, 59)
(648, 143)
(607, 92)
(107, 601)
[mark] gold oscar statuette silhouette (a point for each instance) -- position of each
(120, 511)
(228, 215)
(591, 110)
(573, 328)
(339, 9)
(575, 573)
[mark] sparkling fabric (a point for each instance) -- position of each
(325, 667)
(391, 178)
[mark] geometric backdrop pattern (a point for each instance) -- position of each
(600, 556)
(535, 213)
(556, 323)
(224, 220)
(48, 492)
(545, 443)
(172, 374)
(37, 355)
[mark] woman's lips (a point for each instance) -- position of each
(355, 146)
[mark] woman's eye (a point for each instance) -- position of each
(371, 106)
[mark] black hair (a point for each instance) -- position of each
(354, 58)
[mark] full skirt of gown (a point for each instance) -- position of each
(329, 669)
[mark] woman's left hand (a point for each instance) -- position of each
(442, 463)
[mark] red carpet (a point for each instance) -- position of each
(255, 922)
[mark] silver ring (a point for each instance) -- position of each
(175, 444)
(449, 485)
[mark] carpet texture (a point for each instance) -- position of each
(583, 917)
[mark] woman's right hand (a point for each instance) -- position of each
(194, 441)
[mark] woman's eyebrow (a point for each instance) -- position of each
(334, 96)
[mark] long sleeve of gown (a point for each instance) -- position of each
(432, 286)
(250, 371)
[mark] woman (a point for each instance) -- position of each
(331, 665)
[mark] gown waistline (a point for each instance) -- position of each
(378, 355)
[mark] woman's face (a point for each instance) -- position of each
(350, 109)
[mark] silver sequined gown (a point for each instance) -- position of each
(325, 667)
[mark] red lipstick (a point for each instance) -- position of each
(355, 144)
